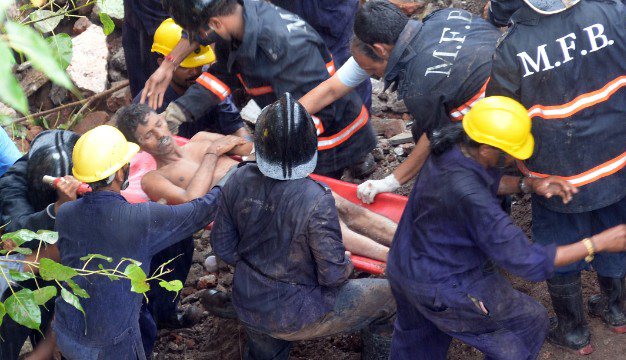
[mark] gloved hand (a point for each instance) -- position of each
(174, 116)
(369, 189)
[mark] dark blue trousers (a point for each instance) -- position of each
(140, 61)
(511, 326)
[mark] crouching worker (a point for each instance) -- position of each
(280, 229)
(453, 228)
(102, 222)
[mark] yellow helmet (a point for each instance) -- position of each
(503, 123)
(100, 152)
(167, 36)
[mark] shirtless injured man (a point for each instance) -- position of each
(181, 176)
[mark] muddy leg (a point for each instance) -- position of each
(361, 245)
(366, 222)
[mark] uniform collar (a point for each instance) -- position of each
(525, 15)
(102, 196)
(248, 46)
(401, 52)
(455, 158)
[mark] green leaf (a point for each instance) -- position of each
(11, 94)
(137, 278)
(97, 256)
(4, 5)
(20, 237)
(52, 270)
(23, 251)
(78, 291)
(5, 121)
(47, 236)
(62, 48)
(26, 7)
(111, 277)
(138, 263)
(50, 23)
(21, 275)
(23, 309)
(108, 24)
(72, 300)
(26, 40)
(44, 294)
(174, 285)
(3, 311)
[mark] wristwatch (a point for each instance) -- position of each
(591, 250)
(524, 188)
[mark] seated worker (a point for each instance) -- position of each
(103, 222)
(224, 118)
(280, 230)
(439, 67)
(454, 230)
(173, 182)
(26, 202)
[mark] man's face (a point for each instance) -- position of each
(185, 77)
(372, 67)
(154, 136)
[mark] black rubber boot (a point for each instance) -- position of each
(609, 305)
(364, 167)
(218, 303)
(569, 329)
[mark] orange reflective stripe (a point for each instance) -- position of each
(330, 67)
(318, 125)
(255, 91)
(603, 170)
(581, 102)
(325, 143)
(214, 85)
(458, 113)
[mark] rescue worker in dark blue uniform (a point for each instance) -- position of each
(453, 230)
(269, 51)
(581, 137)
(141, 19)
(333, 20)
(280, 229)
(110, 329)
(224, 118)
(26, 202)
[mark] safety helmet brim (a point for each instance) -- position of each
(276, 171)
(205, 56)
(550, 7)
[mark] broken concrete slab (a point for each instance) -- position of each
(119, 99)
(250, 112)
(405, 137)
(33, 81)
(91, 121)
(88, 69)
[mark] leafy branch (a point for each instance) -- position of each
(23, 305)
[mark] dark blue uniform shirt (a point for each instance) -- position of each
(285, 240)
(105, 223)
(453, 224)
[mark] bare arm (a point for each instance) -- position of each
(324, 94)
(158, 187)
(414, 162)
(240, 146)
(546, 187)
(610, 240)
(157, 84)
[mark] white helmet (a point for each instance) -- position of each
(549, 7)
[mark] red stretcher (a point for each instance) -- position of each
(386, 204)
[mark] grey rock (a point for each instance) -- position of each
(378, 154)
(400, 139)
(210, 264)
(118, 60)
(88, 69)
(195, 273)
(398, 151)
(377, 87)
(396, 105)
(58, 95)
(33, 80)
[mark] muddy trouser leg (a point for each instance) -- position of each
(148, 329)
(160, 303)
(13, 334)
(414, 336)
(264, 347)
(362, 304)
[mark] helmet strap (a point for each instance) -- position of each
(501, 160)
(126, 182)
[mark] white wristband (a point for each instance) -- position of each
(49, 213)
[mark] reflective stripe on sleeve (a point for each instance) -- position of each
(581, 102)
(325, 143)
(318, 125)
(458, 113)
(330, 67)
(214, 85)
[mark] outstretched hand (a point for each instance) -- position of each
(551, 186)
(156, 86)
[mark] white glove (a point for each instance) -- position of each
(369, 189)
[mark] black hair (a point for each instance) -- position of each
(367, 50)
(446, 137)
(379, 21)
(192, 15)
(129, 117)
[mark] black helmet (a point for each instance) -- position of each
(191, 15)
(286, 140)
(548, 7)
(50, 154)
